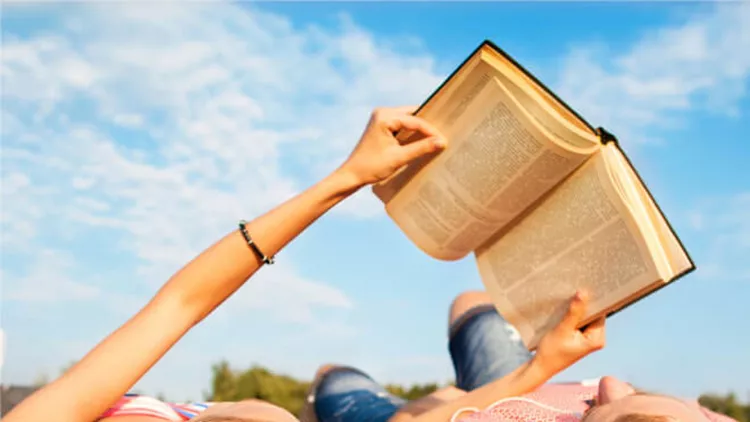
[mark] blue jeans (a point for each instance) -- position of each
(482, 345)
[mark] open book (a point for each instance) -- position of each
(547, 203)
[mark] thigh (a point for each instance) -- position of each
(347, 394)
(484, 347)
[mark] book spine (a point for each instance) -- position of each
(606, 137)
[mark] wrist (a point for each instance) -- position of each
(343, 182)
(540, 367)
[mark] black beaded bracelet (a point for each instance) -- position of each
(253, 246)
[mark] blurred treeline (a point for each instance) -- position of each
(258, 382)
(228, 384)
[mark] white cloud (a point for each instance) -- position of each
(695, 220)
(725, 222)
(701, 64)
(48, 280)
(131, 120)
(270, 289)
(22, 207)
(219, 101)
(152, 129)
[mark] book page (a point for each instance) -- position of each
(540, 104)
(581, 236)
(453, 100)
(498, 162)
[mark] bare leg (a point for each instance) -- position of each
(461, 310)
(308, 409)
(466, 302)
(346, 394)
(483, 346)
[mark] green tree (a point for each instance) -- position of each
(257, 382)
(223, 383)
(67, 367)
(412, 393)
(41, 380)
(727, 405)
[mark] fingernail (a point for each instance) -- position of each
(439, 143)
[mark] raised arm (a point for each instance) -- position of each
(109, 370)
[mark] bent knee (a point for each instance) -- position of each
(324, 369)
(466, 301)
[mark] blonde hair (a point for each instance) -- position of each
(250, 410)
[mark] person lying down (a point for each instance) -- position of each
(497, 379)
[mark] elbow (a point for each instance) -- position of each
(176, 308)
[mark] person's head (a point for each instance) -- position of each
(620, 402)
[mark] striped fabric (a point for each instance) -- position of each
(136, 405)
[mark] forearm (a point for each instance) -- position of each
(524, 379)
(113, 366)
(220, 270)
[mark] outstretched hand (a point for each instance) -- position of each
(379, 154)
(566, 343)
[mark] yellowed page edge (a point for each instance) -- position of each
(672, 258)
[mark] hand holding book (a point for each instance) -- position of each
(565, 344)
(379, 154)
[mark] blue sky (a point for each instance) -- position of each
(134, 136)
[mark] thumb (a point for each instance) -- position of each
(576, 311)
(595, 333)
(413, 150)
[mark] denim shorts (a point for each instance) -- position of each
(483, 348)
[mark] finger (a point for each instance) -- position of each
(595, 333)
(420, 148)
(409, 122)
(576, 310)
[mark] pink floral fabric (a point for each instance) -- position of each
(550, 403)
